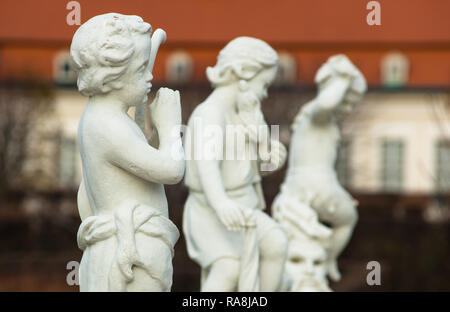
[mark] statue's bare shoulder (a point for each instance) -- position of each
(109, 130)
(208, 113)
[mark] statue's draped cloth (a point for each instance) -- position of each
(132, 231)
(206, 236)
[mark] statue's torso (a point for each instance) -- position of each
(107, 185)
(314, 145)
(237, 170)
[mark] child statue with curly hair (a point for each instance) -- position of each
(126, 235)
(311, 193)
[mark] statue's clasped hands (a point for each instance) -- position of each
(165, 111)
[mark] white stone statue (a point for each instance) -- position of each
(311, 193)
(237, 245)
(125, 232)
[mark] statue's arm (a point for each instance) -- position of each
(163, 165)
(329, 98)
(209, 166)
(210, 172)
(228, 211)
(84, 208)
(211, 181)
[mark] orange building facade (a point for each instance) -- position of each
(33, 32)
(404, 128)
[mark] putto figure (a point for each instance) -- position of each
(311, 191)
(125, 232)
(237, 245)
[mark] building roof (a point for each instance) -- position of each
(31, 32)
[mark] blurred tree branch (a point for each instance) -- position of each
(22, 108)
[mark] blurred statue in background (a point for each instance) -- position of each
(311, 194)
(125, 232)
(237, 245)
(306, 269)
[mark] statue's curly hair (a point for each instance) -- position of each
(241, 59)
(101, 50)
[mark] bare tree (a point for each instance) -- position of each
(21, 109)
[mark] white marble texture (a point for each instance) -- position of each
(237, 245)
(311, 193)
(125, 234)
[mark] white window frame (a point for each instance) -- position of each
(175, 61)
(394, 70)
(443, 165)
(60, 76)
(392, 166)
(343, 162)
(68, 161)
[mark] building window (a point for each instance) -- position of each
(179, 68)
(287, 70)
(392, 166)
(394, 70)
(443, 166)
(67, 162)
(63, 72)
(343, 163)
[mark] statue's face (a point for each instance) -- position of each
(306, 266)
(350, 100)
(262, 81)
(137, 79)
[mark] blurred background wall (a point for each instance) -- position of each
(394, 155)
